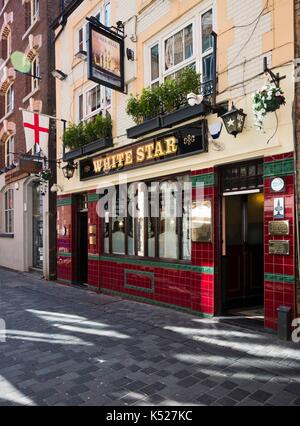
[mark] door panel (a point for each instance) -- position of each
(243, 263)
(82, 247)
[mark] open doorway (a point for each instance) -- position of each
(243, 243)
(82, 240)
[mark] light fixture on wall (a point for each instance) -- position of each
(60, 75)
(69, 169)
(234, 121)
(82, 55)
(194, 99)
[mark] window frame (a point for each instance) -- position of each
(100, 11)
(9, 211)
(156, 258)
(10, 146)
(83, 94)
(9, 102)
(35, 83)
(194, 18)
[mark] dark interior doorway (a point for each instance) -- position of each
(243, 251)
(243, 239)
(82, 241)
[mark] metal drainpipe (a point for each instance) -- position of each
(296, 206)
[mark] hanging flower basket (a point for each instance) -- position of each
(268, 99)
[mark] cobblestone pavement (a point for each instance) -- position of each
(68, 346)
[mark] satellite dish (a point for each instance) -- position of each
(20, 62)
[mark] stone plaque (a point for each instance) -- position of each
(279, 248)
(279, 227)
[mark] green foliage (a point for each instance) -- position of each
(78, 135)
(167, 97)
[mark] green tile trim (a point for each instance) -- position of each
(93, 197)
(142, 273)
(180, 267)
(155, 302)
(279, 168)
(278, 278)
(209, 179)
(63, 254)
(65, 202)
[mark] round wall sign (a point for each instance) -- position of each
(277, 185)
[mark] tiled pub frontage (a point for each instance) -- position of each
(247, 261)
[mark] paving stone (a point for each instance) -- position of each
(238, 394)
(155, 366)
(261, 396)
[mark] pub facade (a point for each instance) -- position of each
(227, 163)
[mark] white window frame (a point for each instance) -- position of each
(9, 211)
(10, 99)
(35, 71)
(9, 150)
(194, 17)
(104, 106)
(99, 11)
(34, 10)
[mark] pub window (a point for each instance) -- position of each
(189, 46)
(9, 211)
(92, 102)
(155, 232)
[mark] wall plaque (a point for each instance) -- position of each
(279, 248)
(92, 229)
(279, 227)
(93, 241)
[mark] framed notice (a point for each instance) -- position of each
(105, 57)
(202, 224)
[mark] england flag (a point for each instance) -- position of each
(36, 128)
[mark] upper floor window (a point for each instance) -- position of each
(9, 100)
(9, 150)
(93, 102)
(189, 45)
(35, 72)
(103, 15)
(6, 46)
(32, 12)
(9, 211)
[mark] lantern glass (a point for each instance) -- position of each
(234, 121)
(69, 171)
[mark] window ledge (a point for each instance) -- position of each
(6, 116)
(30, 95)
(28, 31)
(11, 236)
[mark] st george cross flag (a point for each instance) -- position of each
(36, 128)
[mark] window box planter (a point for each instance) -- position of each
(148, 126)
(97, 145)
(183, 114)
(72, 155)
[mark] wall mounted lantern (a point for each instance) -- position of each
(234, 121)
(69, 170)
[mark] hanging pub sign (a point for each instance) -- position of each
(180, 143)
(105, 56)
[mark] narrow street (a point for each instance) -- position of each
(67, 346)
